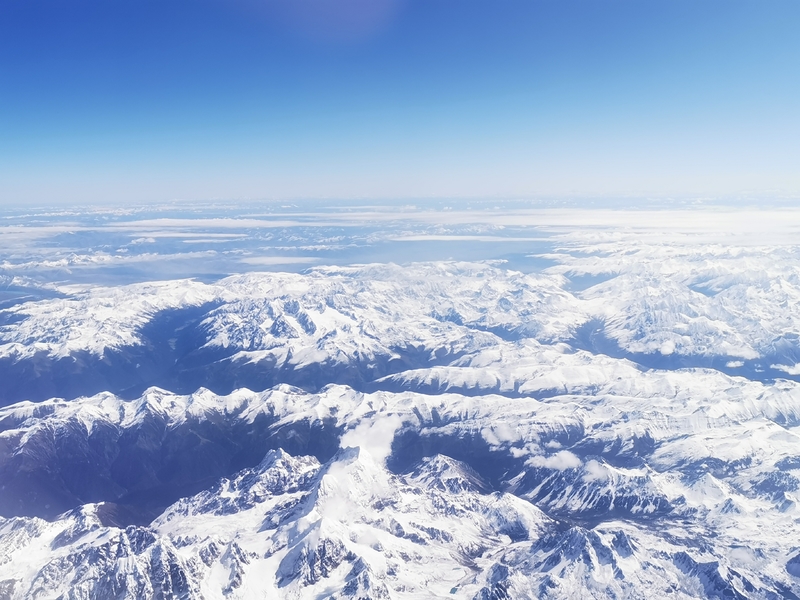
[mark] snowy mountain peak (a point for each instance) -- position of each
(445, 474)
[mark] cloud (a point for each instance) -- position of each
(373, 436)
(561, 461)
(595, 471)
(464, 238)
(279, 260)
(791, 370)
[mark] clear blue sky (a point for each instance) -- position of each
(137, 100)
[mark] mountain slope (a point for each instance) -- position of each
(631, 494)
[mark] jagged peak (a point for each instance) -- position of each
(448, 474)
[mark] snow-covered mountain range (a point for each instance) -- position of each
(374, 327)
(624, 424)
(683, 484)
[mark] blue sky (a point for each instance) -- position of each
(138, 101)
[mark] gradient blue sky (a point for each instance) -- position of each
(136, 101)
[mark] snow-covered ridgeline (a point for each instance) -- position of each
(403, 306)
(687, 298)
(686, 456)
(729, 306)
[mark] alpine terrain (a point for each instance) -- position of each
(624, 423)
